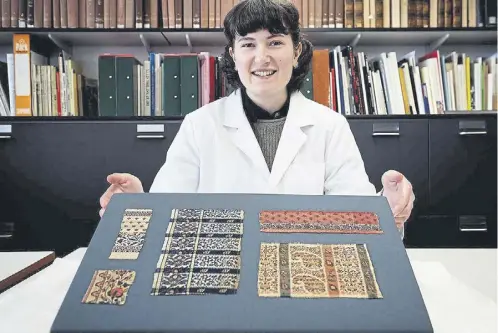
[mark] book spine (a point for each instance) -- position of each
(23, 8)
(113, 14)
(30, 14)
(5, 7)
(99, 14)
(121, 13)
(71, 15)
(90, 13)
(47, 13)
(147, 13)
(82, 13)
(129, 14)
(154, 14)
(107, 14)
(139, 14)
(14, 13)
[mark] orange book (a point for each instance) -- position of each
(403, 90)
(22, 76)
(321, 77)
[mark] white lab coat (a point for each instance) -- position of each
(216, 151)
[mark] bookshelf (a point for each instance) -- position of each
(84, 45)
(209, 37)
(451, 164)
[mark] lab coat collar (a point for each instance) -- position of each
(297, 115)
(291, 141)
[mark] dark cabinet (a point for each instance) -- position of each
(53, 174)
(396, 144)
(462, 163)
(451, 162)
(463, 166)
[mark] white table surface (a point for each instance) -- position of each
(458, 286)
(14, 262)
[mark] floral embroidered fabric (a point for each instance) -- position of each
(131, 236)
(109, 287)
(200, 253)
(319, 222)
(316, 271)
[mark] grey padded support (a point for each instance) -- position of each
(401, 310)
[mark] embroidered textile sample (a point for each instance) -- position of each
(316, 271)
(200, 253)
(319, 222)
(131, 236)
(109, 287)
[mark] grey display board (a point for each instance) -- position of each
(400, 310)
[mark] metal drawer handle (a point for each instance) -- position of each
(385, 134)
(5, 131)
(150, 131)
(150, 136)
(469, 223)
(473, 229)
(150, 128)
(6, 230)
(473, 133)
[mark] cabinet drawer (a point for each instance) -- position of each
(463, 166)
(451, 231)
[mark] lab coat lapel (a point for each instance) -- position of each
(240, 132)
(293, 137)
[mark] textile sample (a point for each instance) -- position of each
(109, 287)
(131, 236)
(316, 271)
(319, 222)
(200, 253)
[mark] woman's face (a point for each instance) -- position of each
(264, 61)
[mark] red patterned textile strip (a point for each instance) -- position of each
(319, 222)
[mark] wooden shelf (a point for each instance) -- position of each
(215, 37)
(447, 115)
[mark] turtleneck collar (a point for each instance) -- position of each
(254, 112)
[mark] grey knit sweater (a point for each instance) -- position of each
(268, 132)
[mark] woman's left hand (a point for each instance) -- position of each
(399, 193)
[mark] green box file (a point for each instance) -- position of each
(127, 86)
(189, 83)
(171, 86)
(307, 87)
(107, 85)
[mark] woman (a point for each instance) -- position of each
(266, 137)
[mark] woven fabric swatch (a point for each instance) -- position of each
(109, 287)
(200, 253)
(319, 222)
(131, 236)
(316, 271)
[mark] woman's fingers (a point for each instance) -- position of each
(119, 178)
(402, 216)
(106, 197)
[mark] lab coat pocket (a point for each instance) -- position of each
(305, 178)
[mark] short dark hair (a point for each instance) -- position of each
(276, 16)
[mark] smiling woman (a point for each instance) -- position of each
(266, 54)
(266, 137)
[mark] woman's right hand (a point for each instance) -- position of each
(120, 183)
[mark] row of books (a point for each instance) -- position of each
(355, 84)
(349, 82)
(178, 14)
(162, 85)
(31, 86)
